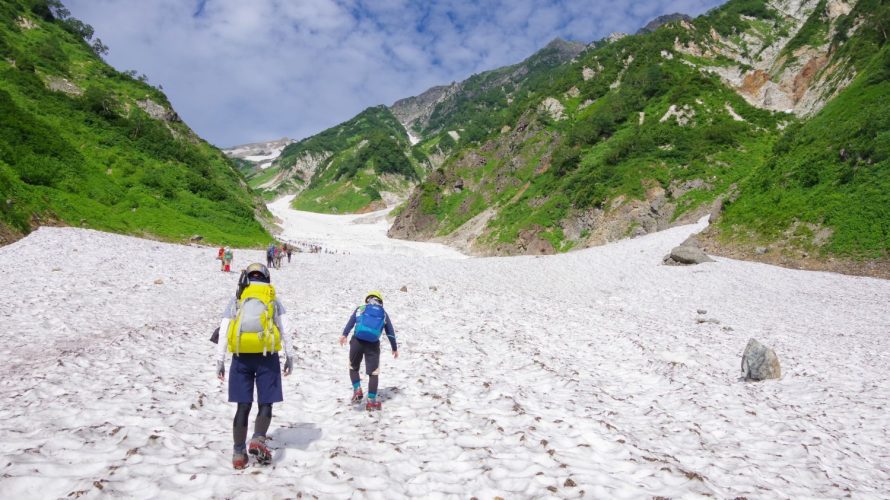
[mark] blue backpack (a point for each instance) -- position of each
(369, 321)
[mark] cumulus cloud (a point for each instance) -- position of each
(240, 71)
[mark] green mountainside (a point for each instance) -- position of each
(772, 116)
(84, 144)
(346, 167)
(351, 167)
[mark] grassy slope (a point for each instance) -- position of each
(832, 171)
(97, 159)
(362, 150)
(784, 175)
(601, 151)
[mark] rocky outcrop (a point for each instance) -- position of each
(157, 111)
(414, 112)
(25, 23)
(660, 21)
(684, 115)
(59, 84)
(553, 108)
(772, 75)
(269, 150)
(413, 223)
(304, 168)
(760, 362)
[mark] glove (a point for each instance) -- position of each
(221, 370)
(288, 366)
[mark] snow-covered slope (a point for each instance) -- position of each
(353, 233)
(589, 374)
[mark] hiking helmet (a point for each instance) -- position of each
(258, 271)
(374, 293)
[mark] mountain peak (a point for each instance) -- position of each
(660, 21)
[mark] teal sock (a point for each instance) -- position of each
(356, 386)
(372, 396)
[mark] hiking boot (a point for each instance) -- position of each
(374, 406)
(357, 396)
(258, 448)
(239, 461)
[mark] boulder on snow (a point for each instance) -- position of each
(760, 362)
(403, 289)
(684, 255)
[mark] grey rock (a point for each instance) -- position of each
(403, 289)
(761, 250)
(685, 255)
(760, 362)
(196, 238)
(434, 288)
(702, 311)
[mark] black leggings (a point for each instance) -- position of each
(260, 426)
(370, 351)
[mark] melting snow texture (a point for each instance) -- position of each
(590, 374)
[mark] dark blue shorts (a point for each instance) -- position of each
(248, 370)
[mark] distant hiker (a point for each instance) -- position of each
(255, 331)
(220, 257)
(289, 249)
(369, 322)
(227, 260)
(270, 254)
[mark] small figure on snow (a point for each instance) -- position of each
(369, 321)
(227, 260)
(255, 332)
(270, 254)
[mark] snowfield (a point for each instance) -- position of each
(586, 375)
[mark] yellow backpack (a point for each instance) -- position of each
(254, 330)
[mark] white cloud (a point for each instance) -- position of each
(248, 71)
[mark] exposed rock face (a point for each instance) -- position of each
(59, 84)
(683, 115)
(304, 168)
(412, 223)
(25, 23)
(686, 255)
(416, 110)
(266, 149)
(660, 21)
(157, 111)
(770, 77)
(615, 36)
(553, 107)
(760, 362)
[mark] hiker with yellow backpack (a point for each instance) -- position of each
(255, 332)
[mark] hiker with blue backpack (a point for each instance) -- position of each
(368, 322)
(270, 254)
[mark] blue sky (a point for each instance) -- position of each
(243, 71)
